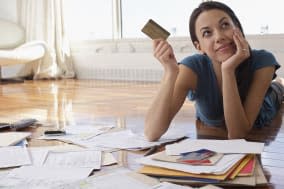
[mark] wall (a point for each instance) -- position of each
(8, 11)
(133, 59)
(121, 60)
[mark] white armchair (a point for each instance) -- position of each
(14, 50)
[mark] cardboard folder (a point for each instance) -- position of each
(167, 175)
(243, 166)
(163, 172)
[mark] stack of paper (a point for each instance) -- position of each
(198, 162)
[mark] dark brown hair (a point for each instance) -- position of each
(206, 6)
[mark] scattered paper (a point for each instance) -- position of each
(108, 159)
(13, 156)
(118, 179)
(168, 185)
(126, 139)
(50, 173)
(12, 138)
(78, 158)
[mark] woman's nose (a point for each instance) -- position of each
(219, 36)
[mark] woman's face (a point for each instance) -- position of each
(214, 30)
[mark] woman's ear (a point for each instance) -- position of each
(197, 46)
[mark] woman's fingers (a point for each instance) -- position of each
(241, 43)
(163, 52)
(156, 43)
(161, 48)
(236, 40)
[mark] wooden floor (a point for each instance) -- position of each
(59, 103)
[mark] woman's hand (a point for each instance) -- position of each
(164, 53)
(241, 54)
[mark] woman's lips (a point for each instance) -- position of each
(223, 48)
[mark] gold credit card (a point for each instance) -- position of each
(155, 31)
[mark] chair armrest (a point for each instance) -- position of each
(27, 52)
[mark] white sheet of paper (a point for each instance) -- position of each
(15, 183)
(92, 130)
(11, 138)
(210, 186)
(4, 173)
(168, 185)
(79, 132)
(221, 146)
(38, 155)
(50, 173)
(126, 139)
(118, 179)
(75, 158)
(108, 159)
(13, 156)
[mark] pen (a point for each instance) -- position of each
(151, 151)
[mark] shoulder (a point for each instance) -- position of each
(196, 58)
(196, 62)
(260, 54)
(263, 58)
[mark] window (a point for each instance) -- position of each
(258, 17)
(108, 19)
(88, 19)
(170, 14)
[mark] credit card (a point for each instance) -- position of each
(197, 155)
(155, 31)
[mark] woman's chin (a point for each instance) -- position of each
(224, 58)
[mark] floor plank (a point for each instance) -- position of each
(59, 103)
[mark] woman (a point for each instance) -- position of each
(230, 83)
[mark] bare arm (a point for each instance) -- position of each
(171, 94)
(240, 117)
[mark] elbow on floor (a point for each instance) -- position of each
(150, 136)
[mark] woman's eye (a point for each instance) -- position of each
(225, 25)
(206, 33)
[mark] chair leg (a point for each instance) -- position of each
(9, 80)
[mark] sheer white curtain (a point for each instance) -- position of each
(43, 20)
